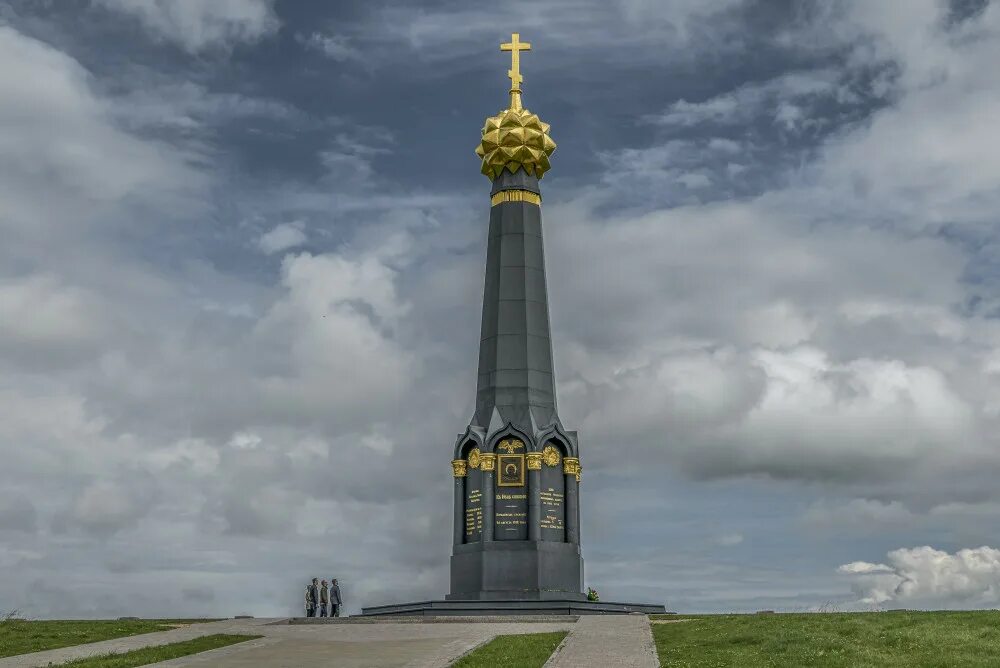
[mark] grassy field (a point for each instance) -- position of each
(524, 651)
(20, 637)
(148, 655)
(838, 640)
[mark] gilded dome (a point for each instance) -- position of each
(515, 138)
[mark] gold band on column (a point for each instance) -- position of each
(534, 461)
(487, 461)
(458, 468)
(516, 196)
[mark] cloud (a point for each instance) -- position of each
(335, 47)
(620, 33)
(282, 237)
(858, 516)
(729, 539)
(17, 513)
(201, 25)
(53, 124)
(334, 298)
(45, 323)
(925, 577)
(188, 107)
(105, 507)
(781, 97)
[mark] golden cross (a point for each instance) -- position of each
(515, 46)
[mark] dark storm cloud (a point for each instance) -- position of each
(243, 262)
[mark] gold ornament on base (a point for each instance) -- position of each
(534, 461)
(458, 468)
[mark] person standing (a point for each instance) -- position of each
(324, 599)
(335, 600)
(312, 598)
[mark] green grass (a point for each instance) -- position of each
(522, 651)
(838, 640)
(148, 655)
(20, 637)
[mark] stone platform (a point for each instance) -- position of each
(510, 608)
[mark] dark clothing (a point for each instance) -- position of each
(335, 601)
(312, 598)
(322, 609)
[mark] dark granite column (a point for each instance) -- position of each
(488, 466)
(458, 470)
(570, 468)
(534, 460)
(516, 383)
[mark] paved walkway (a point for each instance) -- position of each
(601, 641)
(384, 645)
(129, 643)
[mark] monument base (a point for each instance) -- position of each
(516, 570)
(510, 607)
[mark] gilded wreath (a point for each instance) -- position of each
(550, 455)
(474, 458)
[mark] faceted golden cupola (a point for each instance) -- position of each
(515, 138)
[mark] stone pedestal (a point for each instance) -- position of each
(450, 608)
(538, 570)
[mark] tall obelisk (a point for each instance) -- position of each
(516, 544)
(516, 469)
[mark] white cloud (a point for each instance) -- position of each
(729, 539)
(863, 568)
(199, 25)
(105, 507)
(52, 124)
(924, 161)
(187, 107)
(282, 237)
(775, 96)
(46, 323)
(925, 577)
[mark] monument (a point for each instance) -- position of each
(516, 470)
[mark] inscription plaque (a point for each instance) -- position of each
(511, 501)
(552, 508)
(473, 506)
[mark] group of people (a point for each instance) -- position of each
(321, 597)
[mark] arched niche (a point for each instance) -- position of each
(552, 491)
(510, 505)
(472, 514)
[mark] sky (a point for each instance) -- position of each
(242, 247)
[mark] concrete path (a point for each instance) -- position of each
(383, 645)
(601, 641)
(129, 643)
